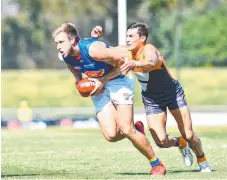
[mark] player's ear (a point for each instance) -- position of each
(72, 40)
(143, 38)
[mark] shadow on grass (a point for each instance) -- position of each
(33, 174)
(181, 171)
(168, 171)
(130, 173)
(184, 171)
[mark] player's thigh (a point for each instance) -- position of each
(121, 95)
(107, 120)
(184, 121)
(156, 118)
(106, 113)
(157, 126)
(125, 117)
(179, 109)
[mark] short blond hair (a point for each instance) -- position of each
(68, 28)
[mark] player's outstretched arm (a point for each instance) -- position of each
(100, 52)
(151, 58)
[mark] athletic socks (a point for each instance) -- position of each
(180, 142)
(201, 158)
(154, 161)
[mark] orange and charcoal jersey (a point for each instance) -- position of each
(156, 82)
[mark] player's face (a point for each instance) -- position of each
(133, 39)
(64, 44)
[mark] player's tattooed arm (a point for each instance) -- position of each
(151, 56)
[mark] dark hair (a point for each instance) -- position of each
(142, 29)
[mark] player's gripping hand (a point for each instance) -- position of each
(129, 65)
(96, 32)
(84, 87)
(99, 86)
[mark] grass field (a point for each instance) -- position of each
(56, 88)
(84, 154)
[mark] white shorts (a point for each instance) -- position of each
(116, 91)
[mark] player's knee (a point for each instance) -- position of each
(188, 135)
(128, 131)
(111, 139)
(111, 136)
(161, 142)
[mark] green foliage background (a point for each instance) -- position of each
(27, 44)
(27, 41)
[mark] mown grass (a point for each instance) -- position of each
(85, 154)
(56, 88)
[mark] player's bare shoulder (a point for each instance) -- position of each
(150, 47)
(95, 48)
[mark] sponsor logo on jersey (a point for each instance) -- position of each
(77, 67)
(95, 73)
(89, 65)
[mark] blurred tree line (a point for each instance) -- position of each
(27, 40)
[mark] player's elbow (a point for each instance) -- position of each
(153, 62)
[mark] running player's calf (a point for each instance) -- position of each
(157, 167)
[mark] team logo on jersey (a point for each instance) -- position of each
(126, 96)
(95, 73)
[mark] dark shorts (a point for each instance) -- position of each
(158, 103)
